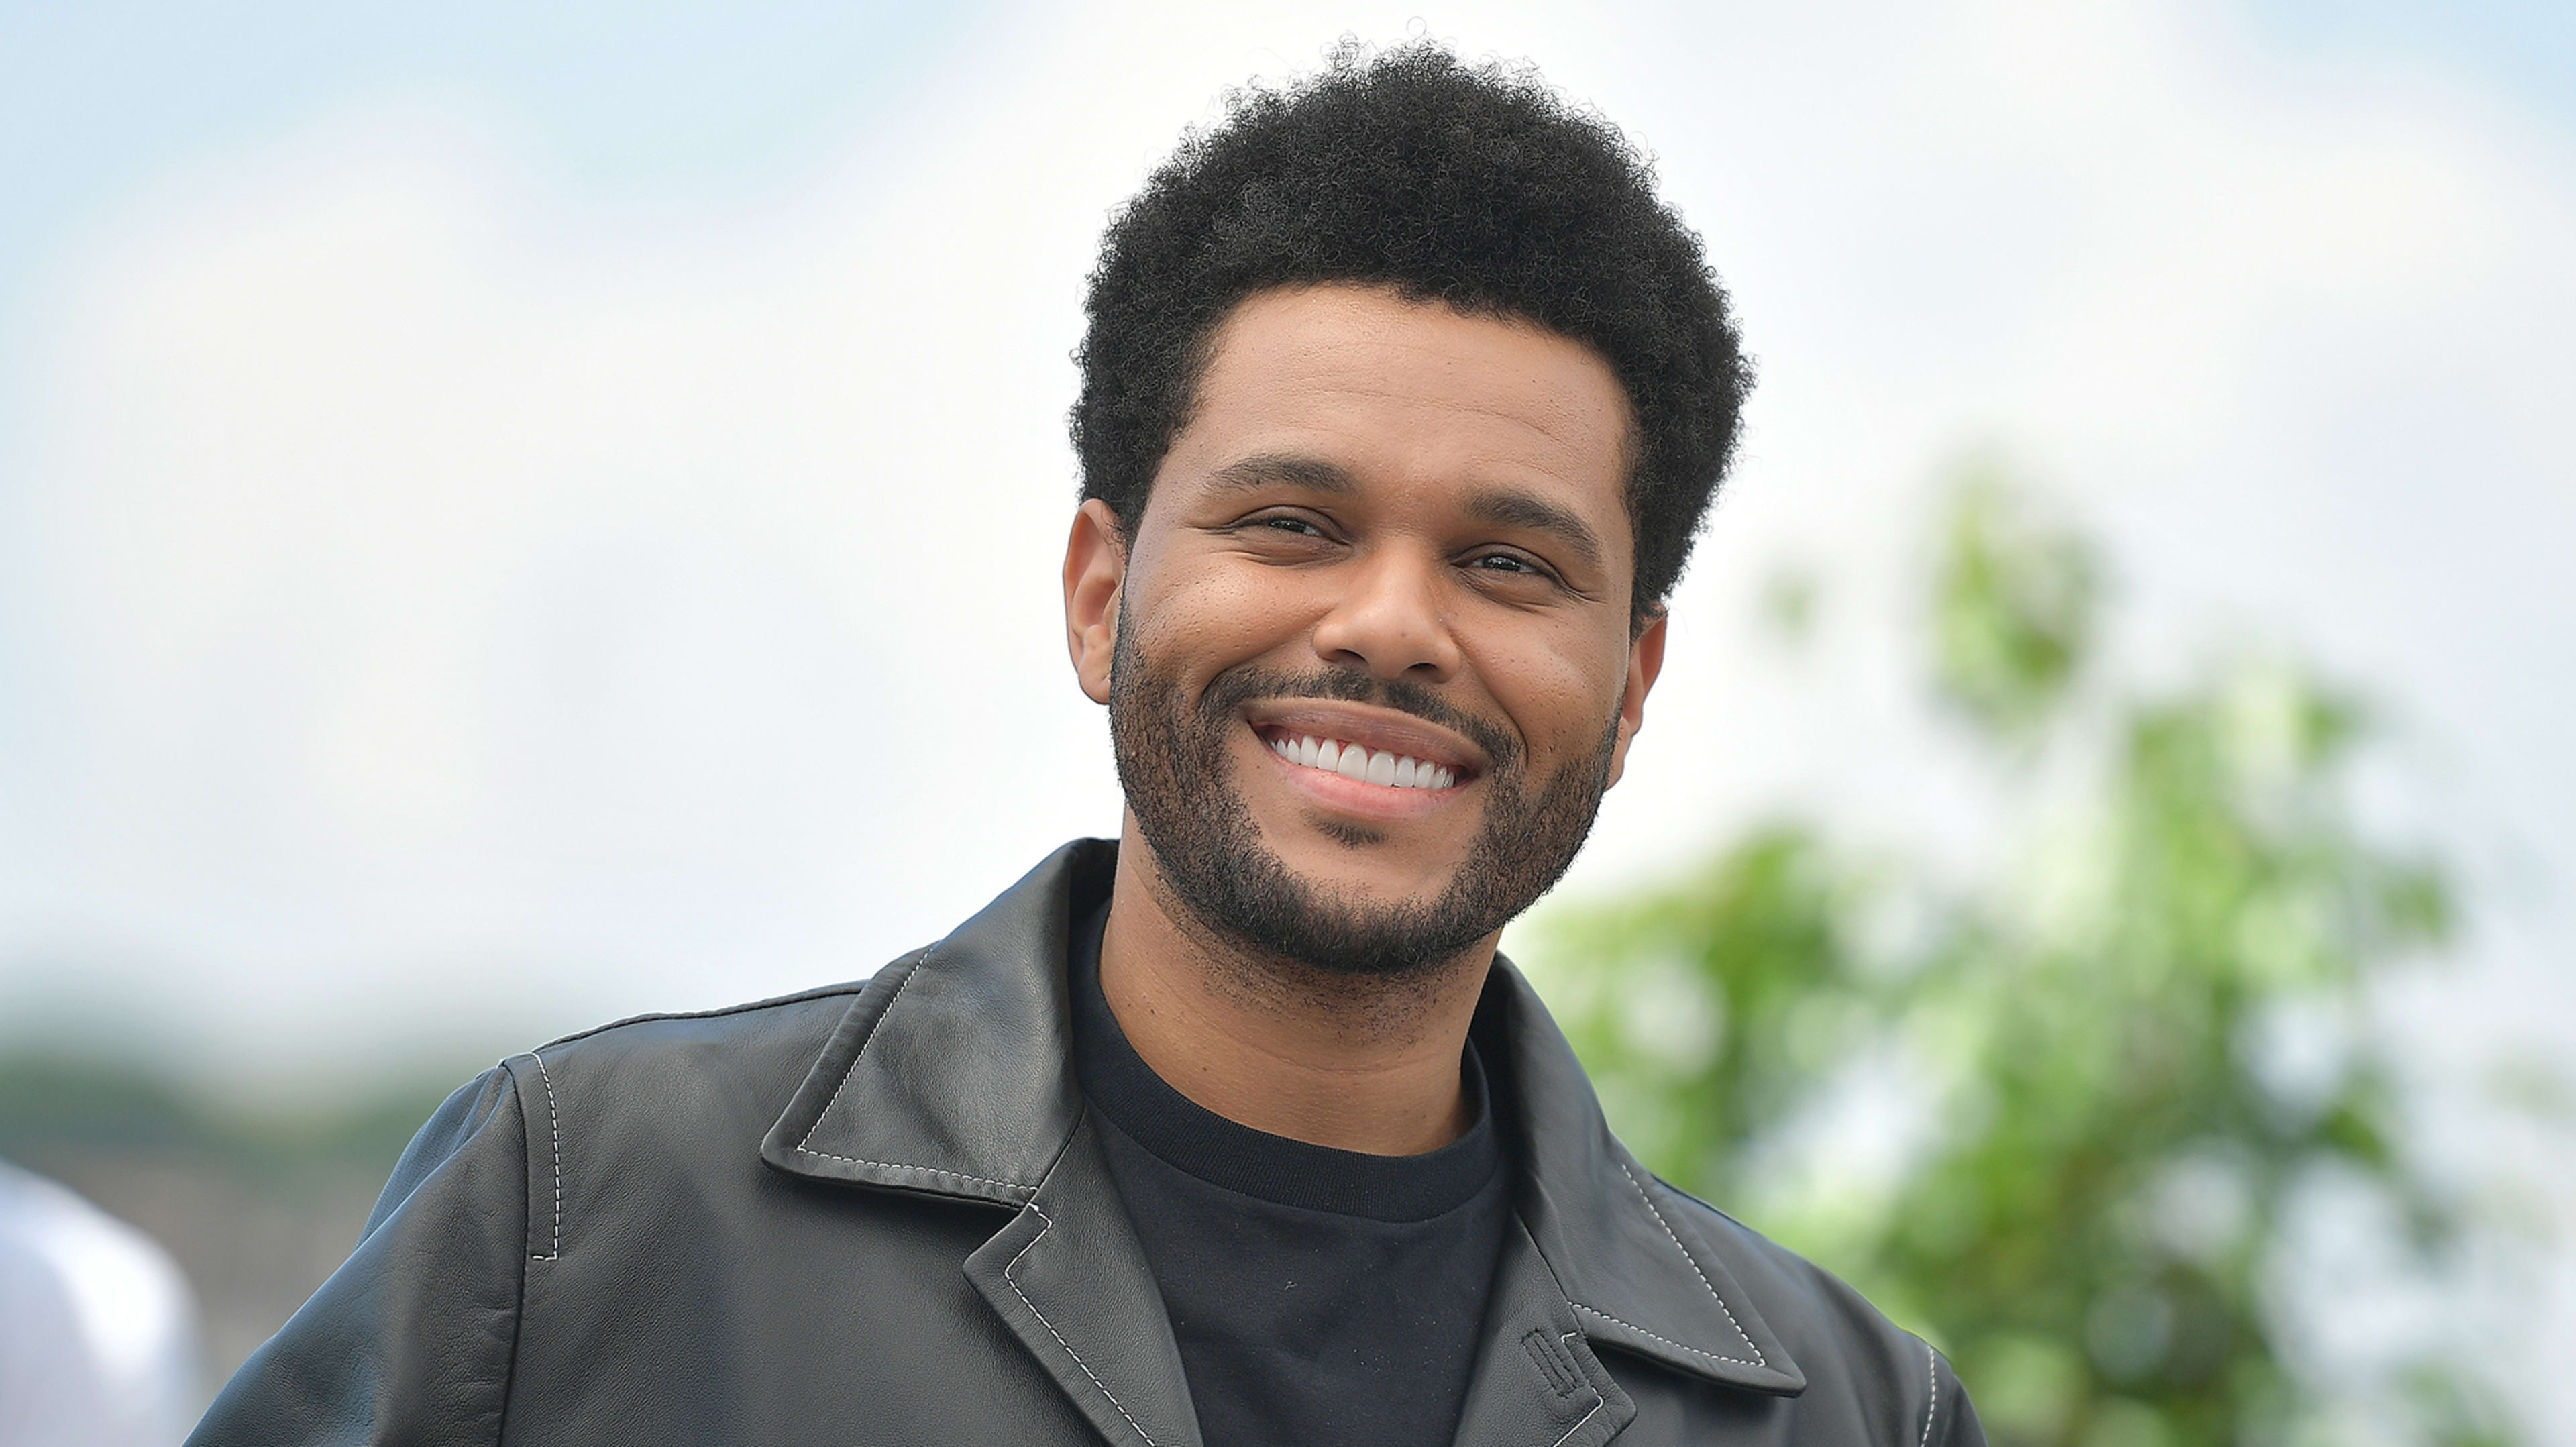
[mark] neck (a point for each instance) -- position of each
(1358, 1063)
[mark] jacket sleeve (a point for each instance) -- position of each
(411, 1339)
(1958, 1417)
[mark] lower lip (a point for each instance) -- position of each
(1345, 795)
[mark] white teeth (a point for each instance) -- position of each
(1381, 767)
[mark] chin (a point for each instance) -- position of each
(1358, 862)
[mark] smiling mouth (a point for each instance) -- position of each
(1383, 767)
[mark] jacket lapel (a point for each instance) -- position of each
(1068, 1277)
(1625, 1253)
(1536, 1382)
(953, 1076)
(953, 1072)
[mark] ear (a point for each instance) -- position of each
(1095, 567)
(1645, 661)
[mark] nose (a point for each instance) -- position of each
(1390, 621)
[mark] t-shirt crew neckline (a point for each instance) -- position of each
(1197, 1141)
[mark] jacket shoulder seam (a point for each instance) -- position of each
(823, 992)
(554, 1147)
(1931, 1393)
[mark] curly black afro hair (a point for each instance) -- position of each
(1472, 185)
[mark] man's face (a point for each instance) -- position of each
(1368, 654)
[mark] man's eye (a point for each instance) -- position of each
(1506, 563)
(1297, 525)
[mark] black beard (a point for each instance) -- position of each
(1173, 763)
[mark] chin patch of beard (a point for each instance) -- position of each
(1179, 777)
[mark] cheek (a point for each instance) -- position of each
(1560, 692)
(1208, 618)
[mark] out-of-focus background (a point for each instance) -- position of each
(512, 516)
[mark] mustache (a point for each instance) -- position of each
(1236, 687)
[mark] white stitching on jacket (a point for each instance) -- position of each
(900, 986)
(926, 1170)
(1059, 1336)
(1668, 1341)
(1639, 1187)
(1931, 1403)
(1598, 1402)
(805, 1149)
(554, 1127)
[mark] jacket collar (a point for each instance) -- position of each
(952, 1075)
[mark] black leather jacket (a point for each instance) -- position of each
(876, 1213)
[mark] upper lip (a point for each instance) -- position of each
(1371, 728)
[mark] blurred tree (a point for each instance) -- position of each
(2096, 1147)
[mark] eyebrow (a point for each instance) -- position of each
(1502, 507)
(1268, 469)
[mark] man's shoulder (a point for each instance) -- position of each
(728, 1028)
(687, 1070)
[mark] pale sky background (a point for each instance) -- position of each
(513, 516)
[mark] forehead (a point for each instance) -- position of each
(1407, 394)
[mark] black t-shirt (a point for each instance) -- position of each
(1320, 1297)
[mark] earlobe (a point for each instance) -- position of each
(1645, 663)
(1095, 567)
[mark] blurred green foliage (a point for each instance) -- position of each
(2013, 612)
(2091, 1149)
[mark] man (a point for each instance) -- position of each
(1402, 399)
